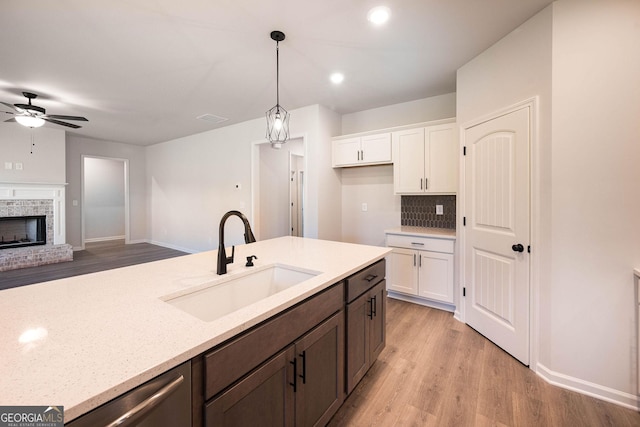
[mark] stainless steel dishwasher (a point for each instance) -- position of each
(162, 401)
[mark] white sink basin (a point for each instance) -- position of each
(225, 296)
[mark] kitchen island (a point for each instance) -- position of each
(82, 341)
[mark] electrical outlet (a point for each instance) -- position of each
(18, 166)
(8, 165)
(364, 207)
(439, 210)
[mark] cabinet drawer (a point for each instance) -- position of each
(230, 362)
(420, 243)
(363, 280)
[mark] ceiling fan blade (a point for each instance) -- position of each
(13, 107)
(13, 119)
(58, 122)
(56, 116)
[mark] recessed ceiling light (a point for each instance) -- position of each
(379, 15)
(336, 78)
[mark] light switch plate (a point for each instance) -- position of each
(364, 207)
(18, 166)
(439, 210)
(8, 165)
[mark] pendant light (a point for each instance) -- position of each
(277, 117)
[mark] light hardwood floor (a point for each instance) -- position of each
(436, 371)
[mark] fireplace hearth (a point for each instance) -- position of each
(20, 231)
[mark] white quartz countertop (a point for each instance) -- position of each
(81, 341)
(439, 233)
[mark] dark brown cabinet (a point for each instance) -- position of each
(302, 385)
(295, 368)
(287, 371)
(365, 322)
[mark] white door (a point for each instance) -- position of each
(497, 231)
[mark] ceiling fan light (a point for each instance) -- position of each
(30, 121)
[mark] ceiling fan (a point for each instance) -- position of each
(33, 116)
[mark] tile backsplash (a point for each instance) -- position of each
(420, 211)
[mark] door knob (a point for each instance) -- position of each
(518, 248)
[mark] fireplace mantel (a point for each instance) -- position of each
(12, 191)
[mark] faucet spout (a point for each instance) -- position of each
(223, 260)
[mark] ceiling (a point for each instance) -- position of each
(141, 71)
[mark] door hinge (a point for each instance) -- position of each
(464, 292)
(464, 221)
(464, 150)
(529, 249)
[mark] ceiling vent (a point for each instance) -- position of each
(212, 118)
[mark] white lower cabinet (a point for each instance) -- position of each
(421, 267)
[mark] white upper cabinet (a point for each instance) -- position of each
(362, 150)
(426, 160)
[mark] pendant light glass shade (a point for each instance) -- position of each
(30, 121)
(277, 117)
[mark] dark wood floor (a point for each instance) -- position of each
(96, 257)
(436, 371)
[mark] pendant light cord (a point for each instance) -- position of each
(278, 75)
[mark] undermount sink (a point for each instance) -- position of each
(214, 300)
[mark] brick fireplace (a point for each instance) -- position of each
(34, 201)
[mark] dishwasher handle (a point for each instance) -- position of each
(146, 405)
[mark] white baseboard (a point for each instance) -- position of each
(590, 389)
(104, 239)
(421, 301)
(177, 248)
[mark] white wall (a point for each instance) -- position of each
(191, 181)
(595, 192)
(581, 59)
(374, 184)
(47, 162)
(77, 147)
(406, 113)
(104, 199)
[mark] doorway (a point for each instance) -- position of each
(278, 189)
(105, 200)
(497, 233)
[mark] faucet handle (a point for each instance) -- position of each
(233, 252)
(250, 260)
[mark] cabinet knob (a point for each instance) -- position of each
(518, 248)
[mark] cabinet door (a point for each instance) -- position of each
(263, 398)
(436, 276)
(441, 163)
(346, 151)
(320, 366)
(376, 148)
(377, 335)
(357, 340)
(403, 271)
(408, 161)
